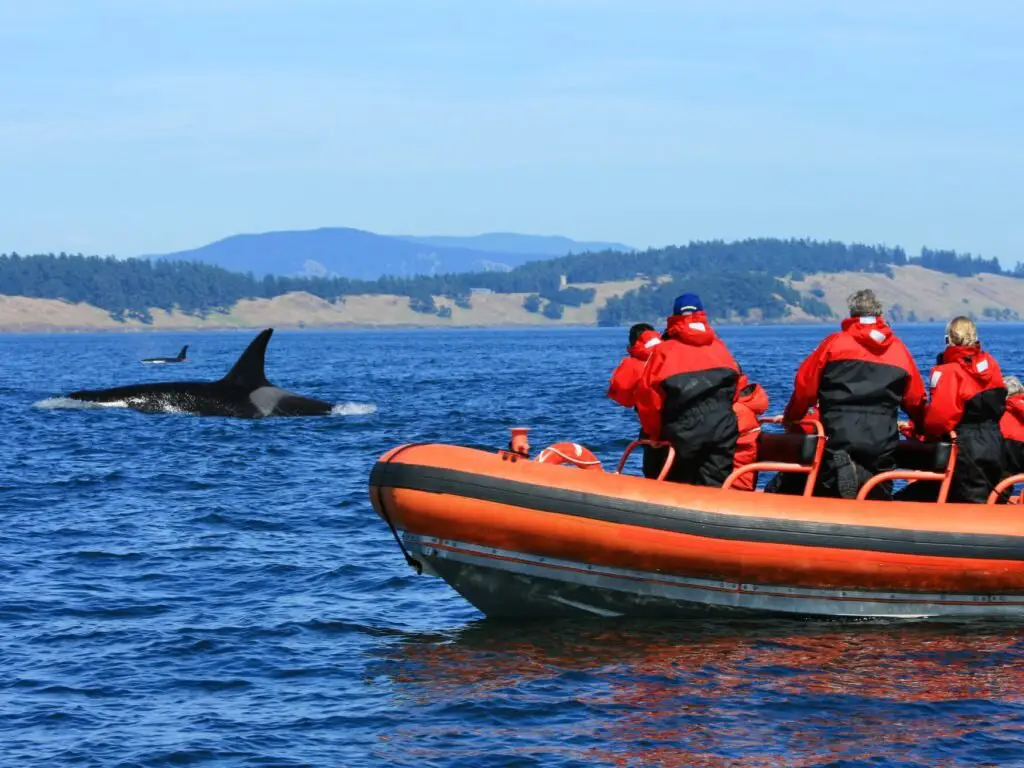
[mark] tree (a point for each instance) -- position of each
(532, 303)
(553, 311)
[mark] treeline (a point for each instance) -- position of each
(733, 278)
(962, 264)
(130, 288)
(724, 294)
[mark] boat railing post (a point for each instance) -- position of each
(519, 443)
(947, 476)
(819, 452)
(1006, 484)
(669, 459)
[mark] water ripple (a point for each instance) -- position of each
(185, 591)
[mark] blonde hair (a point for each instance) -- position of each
(864, 303)
(961, 332)
(1013, 385)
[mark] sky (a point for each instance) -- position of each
(131, 127)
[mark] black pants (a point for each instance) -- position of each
(710, 467)
(654, 460)
(704, 438)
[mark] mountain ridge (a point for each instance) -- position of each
(363, 255)
(513, 242)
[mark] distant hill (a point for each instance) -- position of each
(361, 255)
(510, 242)
(761, 280)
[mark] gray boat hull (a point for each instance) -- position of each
(506, 584)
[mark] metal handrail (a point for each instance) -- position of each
(811, 470)
(651, 444)
(945, 477)
(1005, 484)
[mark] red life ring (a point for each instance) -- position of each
(570, 453)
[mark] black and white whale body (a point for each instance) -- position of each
(179, 359)
(244, 393)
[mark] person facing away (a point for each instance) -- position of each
(751, 403)
(1012, 427)
(967, 395)
(643, 338)
(859, 376)
(642, 341)
(686, 396)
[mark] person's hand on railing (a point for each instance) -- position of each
(909, 432)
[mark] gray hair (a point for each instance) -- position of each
(1013, 385)
(864, 303)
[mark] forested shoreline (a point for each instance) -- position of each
(735, 279)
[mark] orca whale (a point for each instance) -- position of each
(179, 359)
(244, 393)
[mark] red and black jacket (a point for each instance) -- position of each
(627, 375)
(1012, 427)
(688, 386)
(860, 377)
(968, 395)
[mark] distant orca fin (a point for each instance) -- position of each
(248, 370)
(184, 351)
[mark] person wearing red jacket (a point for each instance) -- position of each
(969, 396)
(686, 394)
(751, 403)
(642, 341)
(1012, 427)
(859, 377)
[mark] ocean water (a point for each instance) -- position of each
(180, 591)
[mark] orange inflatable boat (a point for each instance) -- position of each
(560, 536)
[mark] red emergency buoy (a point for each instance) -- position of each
(570, 453)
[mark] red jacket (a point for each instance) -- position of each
(1012, 427)
(751, 403)
(1012, 423)
(862, 339)
(967, 386)
(687, 369)
(859, 377)
(968, 395)
(627, 375)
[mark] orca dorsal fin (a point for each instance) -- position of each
(184, 351)
(247, 371)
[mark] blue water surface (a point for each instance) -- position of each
(179, 591)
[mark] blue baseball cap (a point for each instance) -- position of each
(688, 302)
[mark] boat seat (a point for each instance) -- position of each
(787, 447)
(923, 457)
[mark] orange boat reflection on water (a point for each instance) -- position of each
(714, 695)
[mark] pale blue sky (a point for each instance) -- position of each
(140, 126)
